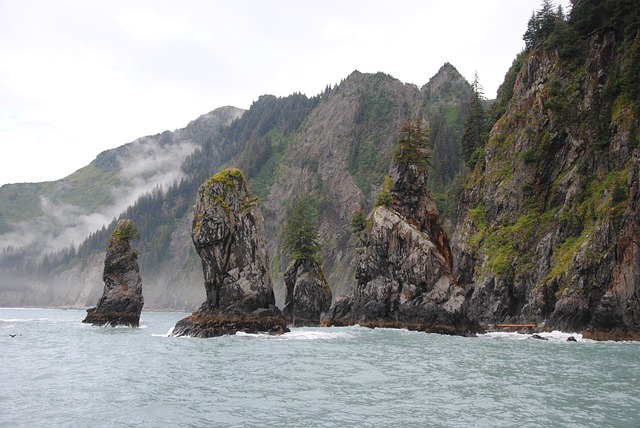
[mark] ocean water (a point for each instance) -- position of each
(59, 372)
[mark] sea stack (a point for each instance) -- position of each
(308, 293)
(404, 261)
(228, 235)
(121, 301)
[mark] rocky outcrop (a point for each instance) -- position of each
(548, 232)
(334, 148)
(403, 270)
(228, 235)
(308, 294)
(617, 315)
(121, 302)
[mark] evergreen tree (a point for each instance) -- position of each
(549, 27)
(474, 135)
(358, 221)
(622, 16)
(413, 145)
(301, 233)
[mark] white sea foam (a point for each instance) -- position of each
(301, 334)
(25, 320)
(554, 336)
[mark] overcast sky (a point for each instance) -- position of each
(78, 77)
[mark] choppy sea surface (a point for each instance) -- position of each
(59, 372)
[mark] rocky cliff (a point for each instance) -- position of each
(228, 234)
(617, 314)
(547, 231)
(122, 301)
(308, 293)
(404, 264)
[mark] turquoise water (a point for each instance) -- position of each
(57, 371)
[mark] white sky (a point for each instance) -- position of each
(78, 77)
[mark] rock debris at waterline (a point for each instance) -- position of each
(228, 235)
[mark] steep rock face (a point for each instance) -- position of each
(121, 302)
(404, 264)
(308, 294)
(546, 228)
(402, 281)
(228, 235)
(617, 315)
(411, 200)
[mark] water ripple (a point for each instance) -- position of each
(61, 372)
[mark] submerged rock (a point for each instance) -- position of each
(308, 293)
(121, 302)
(227, 232)
(538, 337)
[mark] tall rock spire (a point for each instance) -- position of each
(121, 302)
(403, 270)
(228, 235)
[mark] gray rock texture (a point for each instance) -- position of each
(308, 293)
(228, 235)
(617, 315)
(121, 301)
(548, 231)
(403, 269)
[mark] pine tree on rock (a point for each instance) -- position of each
(308, 293)
(474, 136)
(412, 148)
(301, 233)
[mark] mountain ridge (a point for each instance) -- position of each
(275, 141)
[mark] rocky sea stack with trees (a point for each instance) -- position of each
(122, 301)
(308, 293)
(404, 265)
(228, 234)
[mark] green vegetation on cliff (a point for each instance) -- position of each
(335, 149)
(301, 233)
(543, 209)
(125, 231)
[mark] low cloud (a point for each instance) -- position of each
(145, 164)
